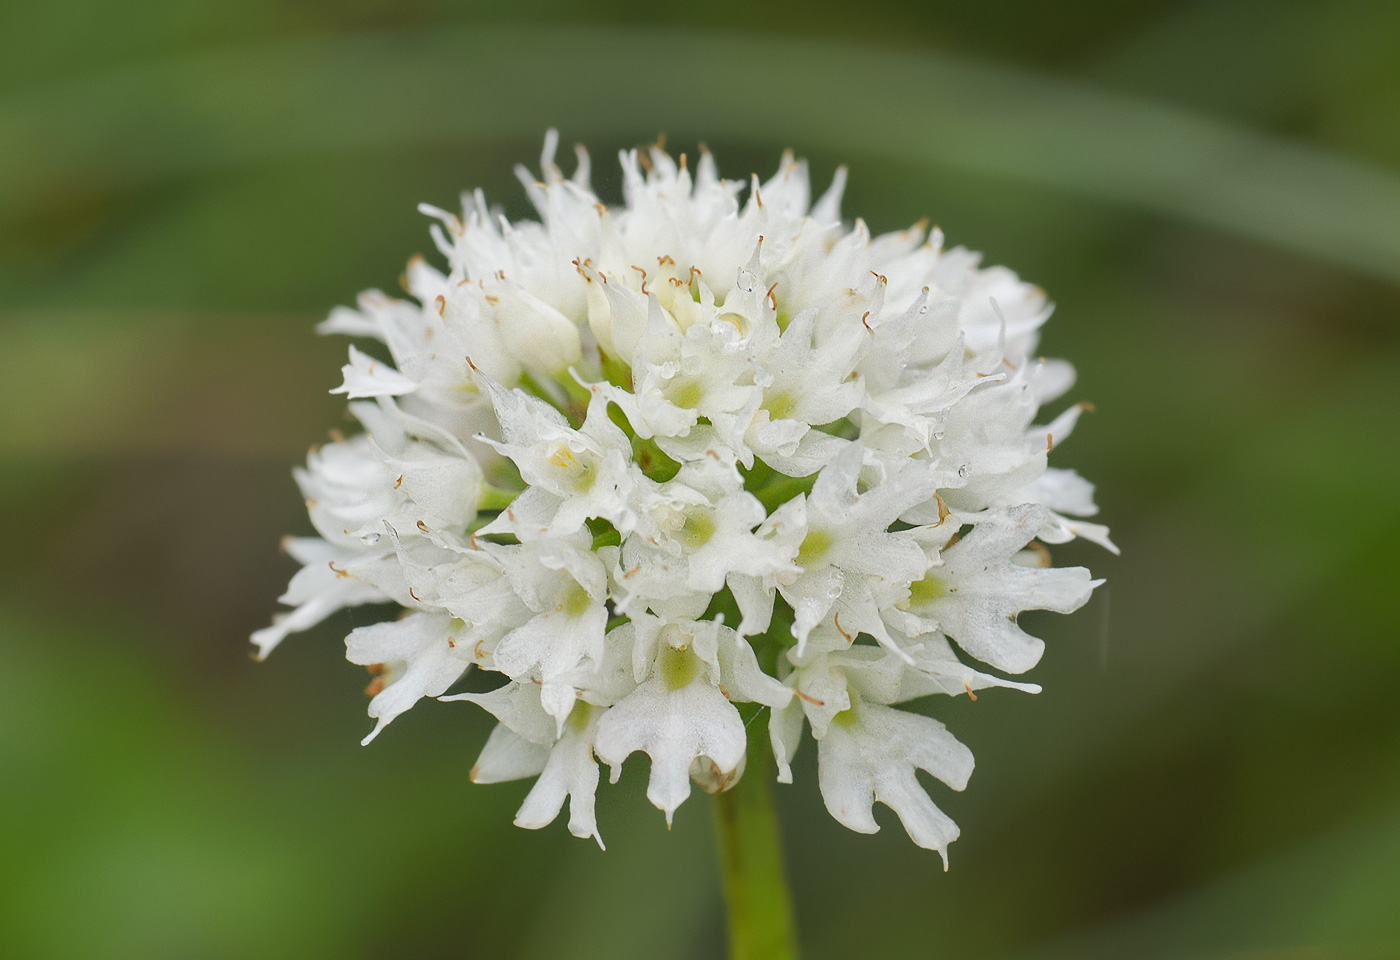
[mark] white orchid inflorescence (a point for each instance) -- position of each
(649, 461)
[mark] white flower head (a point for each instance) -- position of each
(663, 466)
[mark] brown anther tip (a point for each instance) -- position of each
(812, 700)
(1049, 442)
(376, 687)
(414, 595)
(970, 695)
(422, 526)
(602, 209)
(451, 643)
(336, 435)
(474, 773)
(399, 482)
(336, 570)
(865, 321)
(683, 162)
(943, 510)
(441, 302)
(771, 298)
(879, 277)
(633, 572)
(665, 258)
(472, 365)
(1088, 407)
(837, 619)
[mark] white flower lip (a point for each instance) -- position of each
(661, 466)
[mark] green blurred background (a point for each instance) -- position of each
(1210, 191)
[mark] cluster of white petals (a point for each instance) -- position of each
(650, 461)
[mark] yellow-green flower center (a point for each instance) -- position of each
(925, 591)
(814, 547)
(580, 715)
(575, 601)
(698, 528)
(582, 470)
(685, 393)
(850, 716)
(779, 405)
(678, 667)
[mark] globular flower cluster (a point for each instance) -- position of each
(650, 461)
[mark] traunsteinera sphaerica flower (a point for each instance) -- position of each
(709, 447)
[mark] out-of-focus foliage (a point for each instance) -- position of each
(1211, 191)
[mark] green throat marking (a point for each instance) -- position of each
(814, 547)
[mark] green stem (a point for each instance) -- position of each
(756, 889)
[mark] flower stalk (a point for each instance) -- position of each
(757, 896)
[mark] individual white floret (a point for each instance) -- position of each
(849, 560)
(572, 475)
(976, 590)
(698, 530)
(331, 578)
(528, 742)
(681, 710)
(872, 752)
(419, 656)
(564, 586)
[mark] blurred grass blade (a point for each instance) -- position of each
(247, 105)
